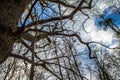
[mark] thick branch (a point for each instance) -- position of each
(79, 7)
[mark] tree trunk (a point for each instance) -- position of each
(10, 14)
(11, 11)
(6, 42)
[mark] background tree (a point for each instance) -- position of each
(39, 40)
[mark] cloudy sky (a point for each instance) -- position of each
(94, 32)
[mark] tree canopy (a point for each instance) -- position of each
(59, 40)
(110, 16)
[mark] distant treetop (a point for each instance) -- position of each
(110, 16)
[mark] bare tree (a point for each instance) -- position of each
(37, 41)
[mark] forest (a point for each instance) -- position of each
(60, 40)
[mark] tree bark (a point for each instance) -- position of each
(11, 11)
(10, 14)
(6, 42)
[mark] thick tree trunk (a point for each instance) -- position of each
(10, 13)
(6, 42)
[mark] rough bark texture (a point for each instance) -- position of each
(6, 43)
(10, 13)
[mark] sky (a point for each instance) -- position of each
(97, 33)
(105, 36)
(41, 12)
(94, 33)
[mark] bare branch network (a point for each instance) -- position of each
(38, 41)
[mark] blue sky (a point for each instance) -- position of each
(41, 12)
(101, 36)
(110, 13)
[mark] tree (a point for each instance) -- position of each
(109, 20)
(109, 17)
(10, 15)
(38, 41)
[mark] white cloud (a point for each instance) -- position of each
(98, 35)
(102, 5)
(101, 35)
